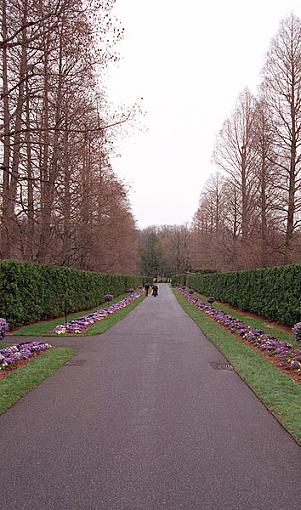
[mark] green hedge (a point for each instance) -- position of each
(32, 292)
(274, 293)
(181, 279)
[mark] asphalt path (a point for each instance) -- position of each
(143, 421)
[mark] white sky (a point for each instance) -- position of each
(188, 61)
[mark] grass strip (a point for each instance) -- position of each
(18, 382)
(43, 328)
(102, 326)
(277, 390)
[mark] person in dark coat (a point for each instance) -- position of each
(155, 287)
(146, 289)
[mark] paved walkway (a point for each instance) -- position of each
(144, 422)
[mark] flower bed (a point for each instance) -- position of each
(81, 324)
(287, 356)
(12, 356)
(3, 328)
(297, 331)
(108, 297)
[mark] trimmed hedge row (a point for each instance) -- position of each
(274, 293)
(181, 279)
(32, 292)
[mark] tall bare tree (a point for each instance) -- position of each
(235, 154)
(282, 93)
(268, 199)
(56, 205)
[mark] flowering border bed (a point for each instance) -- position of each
(81, 324)
(3, 328)
(14, 356)
(285, 354)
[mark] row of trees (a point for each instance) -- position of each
(249, 212)
(165, 250)
(172, 249)
(60, 200)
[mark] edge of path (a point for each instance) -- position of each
(263, 399)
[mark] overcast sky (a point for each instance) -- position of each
(188, 61)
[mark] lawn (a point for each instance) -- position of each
(43, 328)
(18, 382)
(277, 390)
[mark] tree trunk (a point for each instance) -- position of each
(45, 220)
(30, 194)
(5, 241)
(292, 179)
(17, 137)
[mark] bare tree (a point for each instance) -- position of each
(235, 154)
(209, 225)
(268, 199)
(282, 93)
(56, 204)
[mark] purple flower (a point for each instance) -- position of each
(3, 328)
(108, 297)
(25, 350)
(80, 324)
(287, 355)
(297, 331)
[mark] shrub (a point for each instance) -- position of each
(32, 292)
(178, 280)
(273, 293)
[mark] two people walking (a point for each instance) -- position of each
(154, 288)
